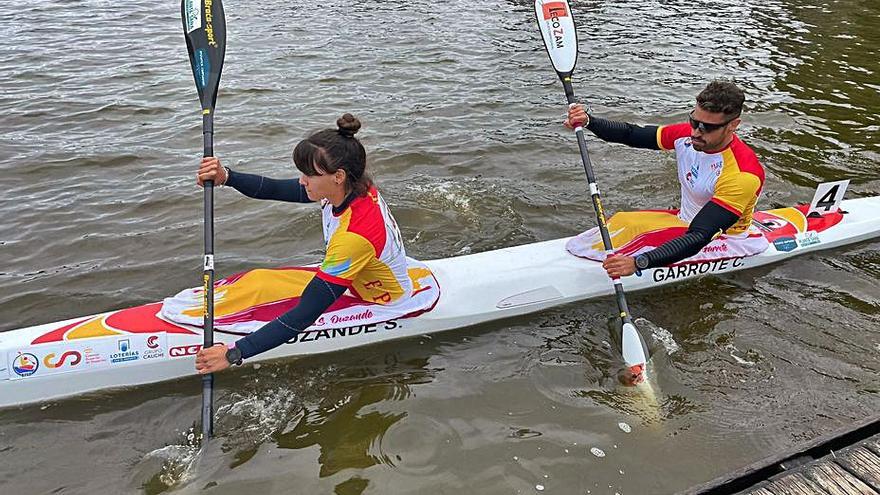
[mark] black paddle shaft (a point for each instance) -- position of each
(597, 200)
(204, 27)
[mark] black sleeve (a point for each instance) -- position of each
(710, 221)
(259, 187)
(624, 133)
(315, 299)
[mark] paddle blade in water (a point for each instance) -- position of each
(204, 26)
(634, 352)
(560, 37)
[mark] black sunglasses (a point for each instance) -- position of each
(706, 127)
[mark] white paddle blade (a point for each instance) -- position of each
(633, 349)
(560, 37)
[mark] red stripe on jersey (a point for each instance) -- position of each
(727, 207)
(334, 280)
(367, 221)
(669, 133)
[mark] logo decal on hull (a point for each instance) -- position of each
(785, 244)
(25, 364)
(51, 362)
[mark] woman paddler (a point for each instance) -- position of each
(364, 249)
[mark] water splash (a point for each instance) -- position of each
(178, 462)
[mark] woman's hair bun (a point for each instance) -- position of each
(348, 125)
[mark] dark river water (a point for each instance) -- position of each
(100, 136)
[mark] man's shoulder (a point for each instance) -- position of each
(670, 136)
(746, 158)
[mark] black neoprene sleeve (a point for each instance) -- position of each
(624, 133)
(259, 187)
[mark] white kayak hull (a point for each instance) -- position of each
(474, 289)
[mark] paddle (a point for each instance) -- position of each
(204, 27)
(560, 39)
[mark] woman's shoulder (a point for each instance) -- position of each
(368, 200)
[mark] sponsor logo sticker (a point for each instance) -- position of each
(202, 67)
(193, 14)
(155, 347)
(554, 9)
(184, 350)
(808, 238)
(124, 353)
(25, 364)
(68, 358)
(785, 244)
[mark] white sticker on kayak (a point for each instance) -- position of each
(192, 12)
(808, 238)
(828, 197)
(85, 354)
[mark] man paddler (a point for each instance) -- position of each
(721, 180)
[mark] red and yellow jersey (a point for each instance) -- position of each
(365, 251)
(732, 178)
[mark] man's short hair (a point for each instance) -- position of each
(722, 97)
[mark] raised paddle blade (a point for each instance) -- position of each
(560, 37)
(204, 26)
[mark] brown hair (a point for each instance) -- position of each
(327, 151)
(722, 97)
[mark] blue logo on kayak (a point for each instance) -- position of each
(125, 353)
(202, 67)
(785, 244)
(25, 364)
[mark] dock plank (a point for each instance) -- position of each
(863, 463)
(836, 480)
(794, 484)
(841, 463)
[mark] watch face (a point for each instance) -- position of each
(234, 355)
(641, 262)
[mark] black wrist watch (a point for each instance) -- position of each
(233, 355)
(642, 262)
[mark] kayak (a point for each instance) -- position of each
(135, 346)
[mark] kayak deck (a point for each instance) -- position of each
(133, 346)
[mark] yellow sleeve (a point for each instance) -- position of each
(347, 254)
(737, 191)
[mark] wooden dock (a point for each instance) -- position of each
(843, 463)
